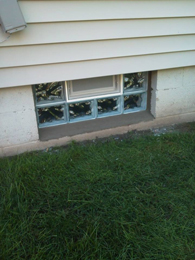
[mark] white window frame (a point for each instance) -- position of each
(115, 89)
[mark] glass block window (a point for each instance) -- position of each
(108, 106)
(49, 92)
(80, 100)
(51, 114)
(81, 111)
(135, 82)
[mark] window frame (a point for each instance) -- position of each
(117, 79)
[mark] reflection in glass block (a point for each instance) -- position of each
(49, 91)
(50, 114)
(134, 81)
(79, 110)
(133, 101)
(107, 105)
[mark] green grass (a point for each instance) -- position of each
(118, 199)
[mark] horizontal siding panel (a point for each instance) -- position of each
(70, 52)
(98, 30)
(96, 68)
(56, 11)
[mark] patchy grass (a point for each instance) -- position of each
(121, 199)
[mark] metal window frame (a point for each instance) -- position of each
(94, 101)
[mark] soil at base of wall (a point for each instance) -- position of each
(174, 128)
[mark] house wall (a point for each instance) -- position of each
(68, 40)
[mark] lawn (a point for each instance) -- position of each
(131, 198)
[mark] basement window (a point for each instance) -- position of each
(60, 103)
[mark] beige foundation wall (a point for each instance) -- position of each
(173, 92)
(18, 123)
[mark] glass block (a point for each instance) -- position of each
(135, 81)
(133, 101)
(49, 91)
(80, 110)
(108, 106)
(51, 114)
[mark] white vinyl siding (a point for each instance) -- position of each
(95, 68)
(95, 50)
(43, 33)
(68, 40)
(59, 11)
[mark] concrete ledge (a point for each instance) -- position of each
(40, 145)
(86, 127)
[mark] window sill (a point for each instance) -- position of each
(98, 124)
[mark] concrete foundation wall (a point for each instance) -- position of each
(173, 92)
(18, 123)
